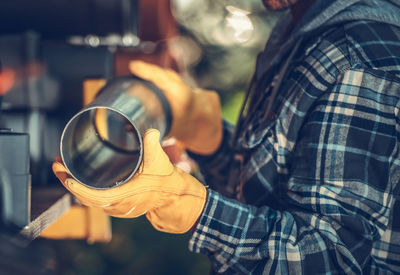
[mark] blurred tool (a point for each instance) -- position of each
(52, 46)
(14, 179)
(62, 18)
(14, 170)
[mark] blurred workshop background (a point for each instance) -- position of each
(48, 48)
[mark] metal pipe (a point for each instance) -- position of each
(101, 146)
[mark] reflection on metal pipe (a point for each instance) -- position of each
(101, 146)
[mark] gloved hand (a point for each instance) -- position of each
(171, 199)
(196, 113)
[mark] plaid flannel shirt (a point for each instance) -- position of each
(318, 190)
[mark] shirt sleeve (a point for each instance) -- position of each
(215, 168)
(339, 191)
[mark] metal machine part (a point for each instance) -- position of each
(47, 91)
(14, 179)
(101, 146)
(63, 18)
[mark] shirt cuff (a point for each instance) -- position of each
(220, 229)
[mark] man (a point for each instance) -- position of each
(313, 165)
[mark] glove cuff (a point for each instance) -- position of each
(179, 212)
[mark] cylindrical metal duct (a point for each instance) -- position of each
(15, 179)
(101, 146)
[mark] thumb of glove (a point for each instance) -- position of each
(155, 160)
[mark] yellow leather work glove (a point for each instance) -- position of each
(171, 199)
(196, 113)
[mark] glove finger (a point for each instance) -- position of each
(129, 212)
(60, 171)
(64, 177)
(88, 201)
(120, 212)
(166, 79)
(87, 196)
(66, 182)
(101, 198)
(153, 73)
(155, 160)
(90, 196)
(133, 206)
(62, 174)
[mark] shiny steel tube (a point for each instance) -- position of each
(101, 146)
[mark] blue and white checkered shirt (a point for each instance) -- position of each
(317, 191)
